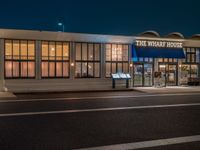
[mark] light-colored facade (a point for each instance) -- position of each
(57, 61)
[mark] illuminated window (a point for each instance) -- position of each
(191, 55)
(19, 59)
(55, 59)
(87, 60)
(116, 58)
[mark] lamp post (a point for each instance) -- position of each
(60, 24)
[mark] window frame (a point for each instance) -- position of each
(20, 60)
(88, 61)
(117, 61)
(55, 60)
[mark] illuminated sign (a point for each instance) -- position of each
(121, 76)
(162, 44)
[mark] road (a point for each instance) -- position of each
(122, 120)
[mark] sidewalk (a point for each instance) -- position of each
(7, 95)
(170, 89)
(110, 92)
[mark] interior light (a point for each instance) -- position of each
(72, 64)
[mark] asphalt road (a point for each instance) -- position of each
(72, 123)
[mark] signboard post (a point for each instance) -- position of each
(120, 76)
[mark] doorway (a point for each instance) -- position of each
(169, 74)
(142, 75)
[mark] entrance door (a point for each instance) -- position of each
(142, 75)
(148, 71)
(138, 75)
(169, 74)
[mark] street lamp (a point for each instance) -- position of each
(60, 24)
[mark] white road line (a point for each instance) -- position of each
(148, 144)
(97, 97)
(95, 110)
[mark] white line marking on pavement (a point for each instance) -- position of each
(96, 110)
(100, 97)
(147, 144)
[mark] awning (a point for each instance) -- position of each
(158, 52)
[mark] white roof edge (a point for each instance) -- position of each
(176, 33)
(150, 31)
(79, 37)
(64, 36)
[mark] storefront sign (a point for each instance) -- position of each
(162, 44)
(121, 76)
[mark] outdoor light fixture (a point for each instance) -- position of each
(131, 65)
(61, 25)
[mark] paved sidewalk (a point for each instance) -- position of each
(172, 89)
(7, 95)
(116, 92)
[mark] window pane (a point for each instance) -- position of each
(15, 69)
(45, 51)
(31, 49)
(194, 71)
(90, 52)
(78, 70)
(59, 69)
(84, 70)
(90, 70)
(125, 53)
(119, 67)
(45, 69)
(66, 51)
(108, 69)
(84, 51)
(114, 52)
(193, 57)
(52, 50)
(16, 49)
(59, 51)
(97, 52)
(8, 48)
(198, 55)
(97, 70)
(125, 68)
(108, 52)
(65, 69)
(119, 52)
(24, 52)
(52, 69)
(31, 69)
(8, 68)
(114, 68)
(24, 69)
(188, 57)
(78, 51)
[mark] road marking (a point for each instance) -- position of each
(96, 97)
(96, 110)
(148, 144)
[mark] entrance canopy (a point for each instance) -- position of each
(151, 52)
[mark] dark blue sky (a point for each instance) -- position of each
(128, 17)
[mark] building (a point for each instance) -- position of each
(58, 61)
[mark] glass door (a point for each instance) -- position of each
(172, 75)
(169, 74)
(148, 71)
(162, 69)
(143, 75)
(138, 75)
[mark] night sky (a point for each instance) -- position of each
(121, 17)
